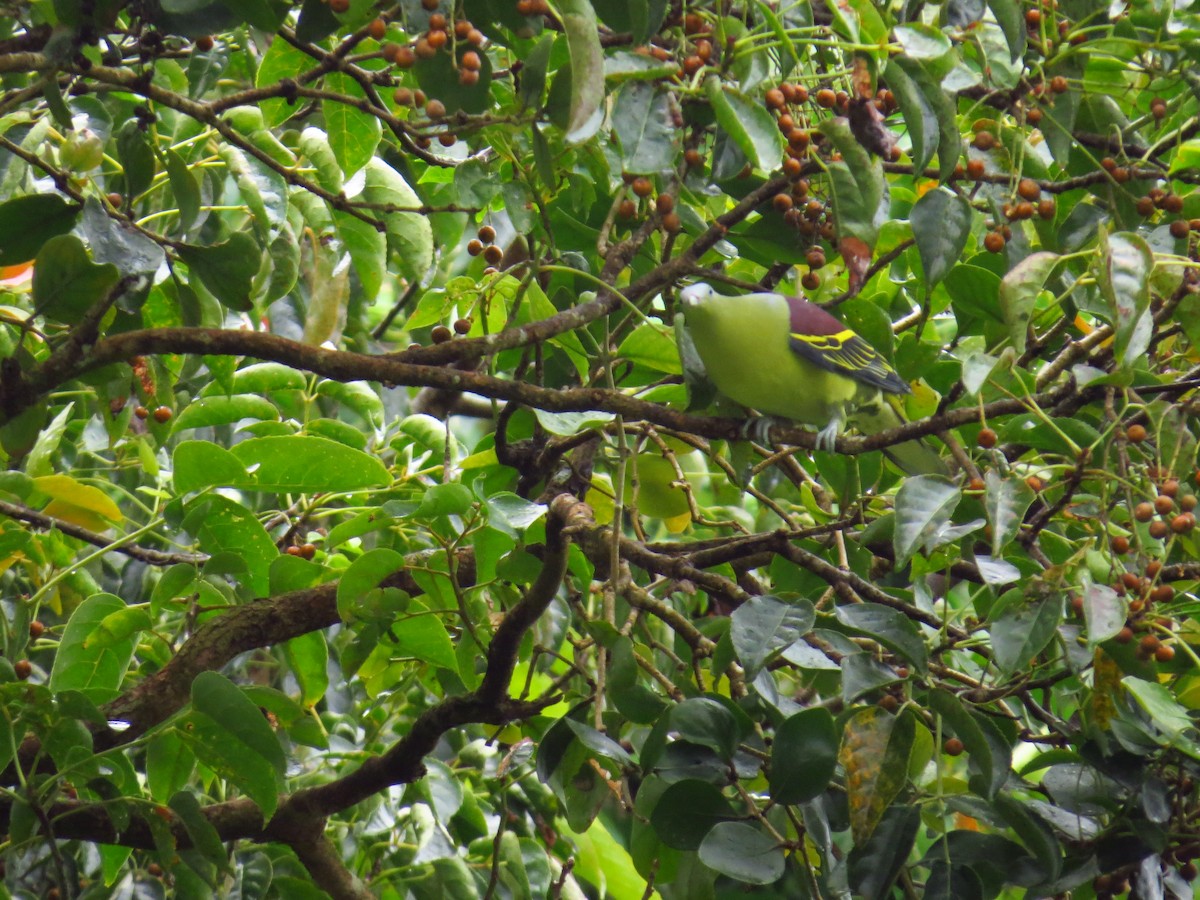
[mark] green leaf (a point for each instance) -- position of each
(94, 671)
(941, 223)
(687, 811)
(1124, 263)
(1169, 717)
(586, 69)
(315, 145)
(215, 695)
(421, 635)
(136, 157)
(222, 751)
(118, 627)
(765, 625)
(742, 852)
(282, 60)
(1104, 611)
(641, 120)
(1022, 633)
(874, 866)
(262, 14)
(1019, 290)
(201, 464)
(169, 764)
(368, 251)
(308, 658)
(803, 756)
(409, 234)
(66, 283)
(747, 123)
(533, 73)
(652, 346)
(704, 721)
(599, 743)
(924, 505)
(353, 134)
(1009, 16)
(206, 412)
(919, 118)
(304, 464)
(363, 576)
(921, 41)
(261, 188)
(186, 189)
(204, 836)
(27, 223)
(889, 627)
(226, 269)
(1006, 500)
(857, 183)
(224, 525)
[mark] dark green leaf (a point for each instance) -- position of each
(803, 756)
(94, 671)
(304, 463)
(687, 811)
(889, 627)
(66, 283)
(27, 223)
(765, 625)
(642, 122)
(742, 852)
(226, 269)
(941, 223)
(1021, 634)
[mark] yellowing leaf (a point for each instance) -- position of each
(67, 494)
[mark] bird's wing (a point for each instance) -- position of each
(824, 341)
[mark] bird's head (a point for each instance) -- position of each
(696, 295)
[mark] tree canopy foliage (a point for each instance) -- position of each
(368, 530)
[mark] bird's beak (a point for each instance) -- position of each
(693, 295)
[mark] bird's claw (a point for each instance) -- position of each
(827, 436)
(758, 429)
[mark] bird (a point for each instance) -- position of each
(786, 357)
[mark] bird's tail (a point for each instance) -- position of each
(915, 457)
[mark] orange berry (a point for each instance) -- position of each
(23, 668)
(642, 186)
(1136, 433)
(1158, 529)
(975, 169)
(435, 109)
(141, 412)
(1183, 523)
(1163, 504)
(984, 140)
(1164, 653)
(470, 60)
(204, 43)
(1035, 483)
(36, 629)
(487, 234)
(493, 254)
(775, 99)
(439, 334)
(377, 29)
(162, 415)
(993, 242)
(1028, 188)
(1120, 545)
(671, 222)
(810, 281)
(474, 246)
(463, 325)
(826, 98)
(952, 747)
(437, 39)
(1058, 85)
(1124, 636)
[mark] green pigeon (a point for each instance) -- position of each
(788, 358)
